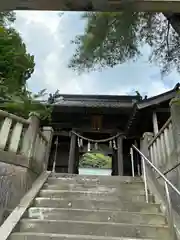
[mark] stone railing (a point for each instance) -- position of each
(24, 153)
(162, 146)
(22, 142)
(164, 151)
(11, 131)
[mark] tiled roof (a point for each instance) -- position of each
(157, 99)
(95, 104)
(93, 101)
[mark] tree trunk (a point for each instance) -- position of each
(174, 20)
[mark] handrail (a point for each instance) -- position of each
(167, 183)
(159, 172)
(160, 131)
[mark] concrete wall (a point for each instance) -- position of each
(14, 183)
(21, 164)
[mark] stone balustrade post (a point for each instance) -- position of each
(48, 133)
(145, 141)
(174, 176)
(30, 136)
(175, 115)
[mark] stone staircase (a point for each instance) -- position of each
(74, 207)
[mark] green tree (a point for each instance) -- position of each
(23, 103)
(6, 18)
(114, 38)
(95, 160)
(16, 67)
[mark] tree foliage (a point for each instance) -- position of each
(16, 67)
(24, 103)
(95, 160)
(115, 38)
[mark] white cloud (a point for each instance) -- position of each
(47, 37)
(151, 88)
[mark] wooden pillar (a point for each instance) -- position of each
(72, 154)
(114, 163)
(120, 155)
(77, 155)
(155, 123)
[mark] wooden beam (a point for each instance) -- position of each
(62, 133)
(172, 6)
(146, 5)
(163, 110)
(101, 131)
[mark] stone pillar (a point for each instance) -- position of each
(155, 123)
(174, 176)
(152, 181)
(72, 154)
(145, 140)
(48, 133)
(29, 140)
(120, 155)
(175, 114)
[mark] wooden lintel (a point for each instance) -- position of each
(162, 110)
(92, 5)
(101, 131)
(62, 133)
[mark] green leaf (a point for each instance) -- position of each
(114, 38)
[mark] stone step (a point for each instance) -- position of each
(50, 236)
(96, 204)
(94, 228)
(95, 215)
(104, 196)
(102, 180)
(129, 187)
(70, 175)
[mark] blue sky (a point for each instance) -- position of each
(47, 37)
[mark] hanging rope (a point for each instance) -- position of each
(89, 147)
(97, 141)
(96, 146)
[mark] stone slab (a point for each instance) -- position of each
(96, 204)
(94, 228)
(100, 188)
(109, 195)
(50, 236)
(95, 215)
